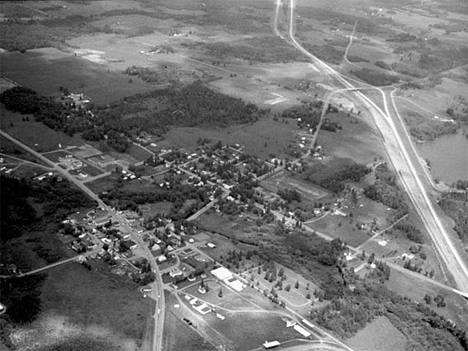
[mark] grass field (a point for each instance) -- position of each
(265, 138)
(246, 326)
(79, 303)
(10, 148)
(32, 133)
(138, 152)
(45, 70)
(379, 335)
(456, 309)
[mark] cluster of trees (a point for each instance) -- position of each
(336, 181)
(267, 48)
(148, 75)
(56, 198)
(326, 53)
(374, 77)
(456, 206)
(331, 126)
(386, 191)
(290, 195)
(117, 123)
(413, 233)
(306, 115)
(425, 329)
(178, 196)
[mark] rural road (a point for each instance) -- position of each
(157, 285)
(402, 161)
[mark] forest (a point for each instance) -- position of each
(116, 124)
(30, 210)
(335, 181)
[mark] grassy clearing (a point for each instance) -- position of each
(138, 152)
(150, 210)
(379, 335)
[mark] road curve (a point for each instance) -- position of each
(403, 162)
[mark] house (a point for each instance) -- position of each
(211, 245)
(129, 244)
(156, 249)
(100, 222)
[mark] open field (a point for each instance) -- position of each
(32, 133)
(263, 138)
(245, 326)
(10, 148)
(379, 335)
(357, 140)
(80, 304)
(416, 289)
(281, 181)
(45, 70)
(138, 153)
(152, 209)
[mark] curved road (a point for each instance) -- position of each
(403, 162)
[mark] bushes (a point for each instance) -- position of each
(375, 78)
(336, 181)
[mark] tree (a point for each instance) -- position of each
(288, 287)
(428, 299)
(371, 258)
(297, 284)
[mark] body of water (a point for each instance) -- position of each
(448, 155)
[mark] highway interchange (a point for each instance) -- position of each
(401, 156)
(414, 178)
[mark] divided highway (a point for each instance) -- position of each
(402, 161)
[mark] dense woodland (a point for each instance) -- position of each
(386, 191)
(336, 181)
(456, 206)
(155, 112)
(30, 209)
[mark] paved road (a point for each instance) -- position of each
(56, 264)
(157, 286)
(402, 160)
(57, 168)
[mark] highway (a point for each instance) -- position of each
(402, 161)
